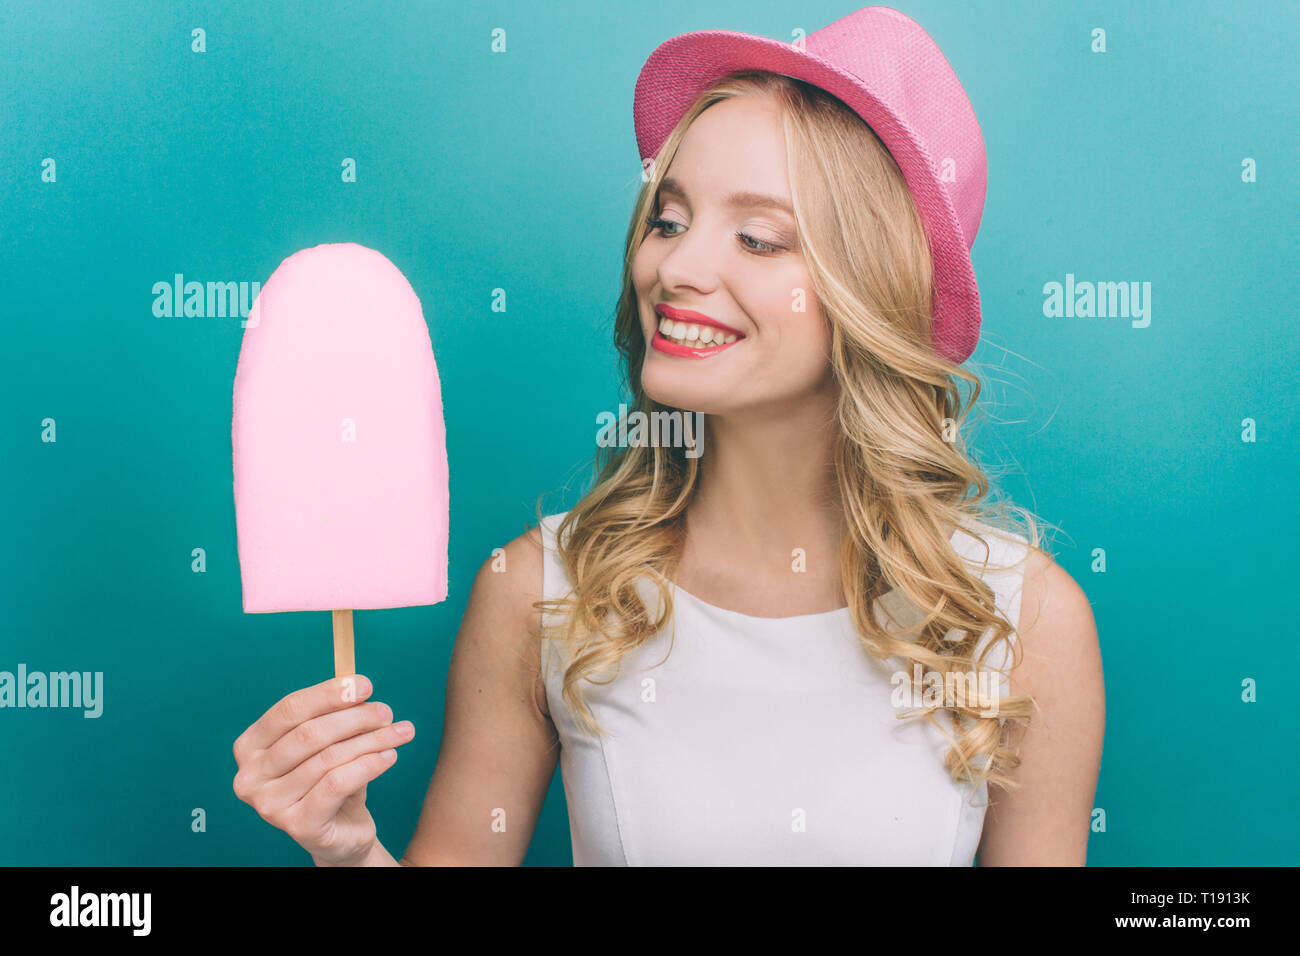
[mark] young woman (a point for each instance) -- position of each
(729, 651)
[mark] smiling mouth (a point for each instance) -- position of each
(693, 335)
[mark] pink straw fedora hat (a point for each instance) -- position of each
(890, 72)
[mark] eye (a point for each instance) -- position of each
(766, 247)
(657, 224)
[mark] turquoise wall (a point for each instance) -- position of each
(478, 171)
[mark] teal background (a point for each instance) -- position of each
(479, 171)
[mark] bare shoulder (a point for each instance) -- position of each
(1046, 819)
(1060, 663)
(1052, 602)
(511, 578)
(501, 603)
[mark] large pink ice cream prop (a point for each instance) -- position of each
(340, 458)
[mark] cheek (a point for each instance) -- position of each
(795, 314)
(645, 276)
(804, 343)
(644, 270)
(821, 332)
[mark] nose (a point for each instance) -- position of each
(692, 261)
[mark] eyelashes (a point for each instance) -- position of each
(758, 247)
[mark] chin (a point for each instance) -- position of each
(677, 390)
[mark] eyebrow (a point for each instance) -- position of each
(737, 200)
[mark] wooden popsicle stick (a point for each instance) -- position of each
(344, 656)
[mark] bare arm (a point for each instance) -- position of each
(1047, 820)
(499, 747)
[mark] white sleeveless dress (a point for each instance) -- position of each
(765, 741)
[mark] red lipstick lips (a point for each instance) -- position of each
(669, 347)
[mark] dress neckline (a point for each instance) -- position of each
(678, 589)
(839, 611)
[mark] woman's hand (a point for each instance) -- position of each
(305, 763)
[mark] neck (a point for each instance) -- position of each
(767, 483)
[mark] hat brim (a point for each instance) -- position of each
(681, 68)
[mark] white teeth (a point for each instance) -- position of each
(693, 336)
